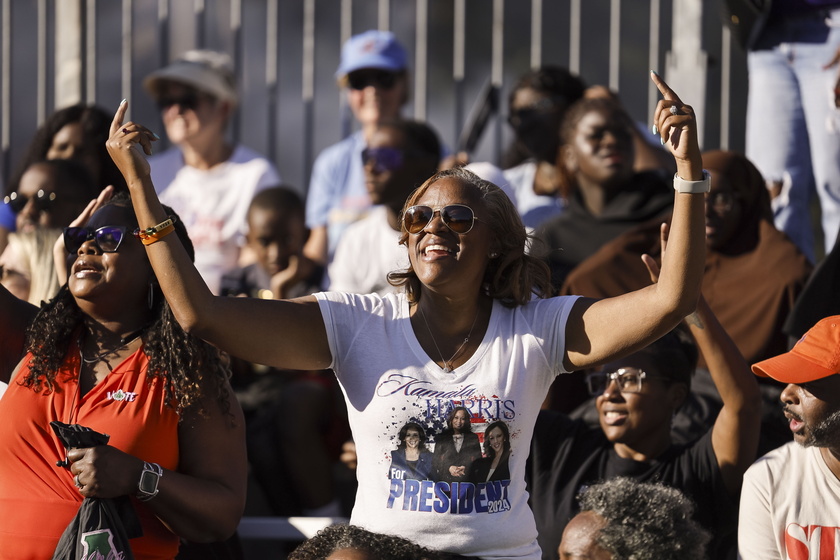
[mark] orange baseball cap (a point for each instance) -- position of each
(814, 356)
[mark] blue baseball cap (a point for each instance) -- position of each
(371, 49)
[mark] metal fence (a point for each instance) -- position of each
(57, 52)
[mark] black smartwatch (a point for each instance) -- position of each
(147, 488)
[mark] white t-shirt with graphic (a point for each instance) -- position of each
(790, 507)
(388, 380)
(213, 203)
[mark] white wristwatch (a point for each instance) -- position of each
(147, 487)
(704, 185)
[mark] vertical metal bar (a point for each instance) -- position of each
(725, 87)
(6, 87)
(127, 69)
(421, 66)
(163, 33)
(574, 36)
(238, 60)
(308, 86)
(497, 72)
(271, 70)
(41, 61)
(458, 58)
(653, 56)
(536, 34)
(346, 33)
(384, 15)
(615, 42)
(200, 14)
(90, 52)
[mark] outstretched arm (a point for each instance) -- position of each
(283, 334)
(599, 331)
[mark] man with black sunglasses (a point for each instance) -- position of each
(372, 73)
(208, 181)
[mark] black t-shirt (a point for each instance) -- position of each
(567, 456)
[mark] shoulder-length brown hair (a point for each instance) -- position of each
(513, 276)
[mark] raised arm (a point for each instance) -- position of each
(599, 331)
(284, 334)
(737, 427)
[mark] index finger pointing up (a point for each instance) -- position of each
(119, 116)
(663, 88)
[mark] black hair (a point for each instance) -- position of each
(96, 127)
(191, 368)
(676, 353)
(281, 197)
(376, 545)
(412, 426)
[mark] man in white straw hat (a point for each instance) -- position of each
(205, 179)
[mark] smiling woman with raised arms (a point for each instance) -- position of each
(474, 326)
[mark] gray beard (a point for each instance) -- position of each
(826, 433)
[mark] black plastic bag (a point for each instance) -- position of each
(102, 527)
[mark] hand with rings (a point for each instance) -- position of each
(77, 482)
(129, 144)
(675, 122)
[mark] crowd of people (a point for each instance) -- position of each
(546, 361)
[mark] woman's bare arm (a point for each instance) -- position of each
(284, 334)
(599, 331)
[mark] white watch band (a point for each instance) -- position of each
(704, 185)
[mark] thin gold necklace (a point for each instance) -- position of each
(446, 367)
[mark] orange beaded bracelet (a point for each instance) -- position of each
(156, 233)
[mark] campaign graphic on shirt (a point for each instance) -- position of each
(449, 472)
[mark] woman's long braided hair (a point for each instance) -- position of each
(193, 371)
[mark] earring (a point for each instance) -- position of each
(494, 255)
(151, 296)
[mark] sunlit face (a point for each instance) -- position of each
(496, 440)
(724, 211)
(16, 275)
(375, 104)
(459, 421)
(441, 257)
(631, 418)
(349, 554)
(189, 115)
(813, 410)
(580, 538)
(39, 211)
(412, 439)
(600, 151)
(117, 279)
(70, 143)
(275, 235)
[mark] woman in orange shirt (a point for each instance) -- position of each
(107, 353)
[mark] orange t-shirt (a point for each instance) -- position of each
(37, 498)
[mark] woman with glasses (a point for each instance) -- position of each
(636, 400)
(373, 73)
(107, 354)
(473, 326)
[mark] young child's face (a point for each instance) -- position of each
(274, 236)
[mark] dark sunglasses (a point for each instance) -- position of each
(457, 217)
(382, 79)
(106, 238)
(383, 159)
(17, 202)
(188, 101)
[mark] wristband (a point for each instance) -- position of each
(156, 233)
(704, 185)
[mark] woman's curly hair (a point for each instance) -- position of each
(514, 276)
(645, 521)
(188, 366)
(376, 545)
